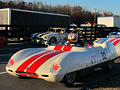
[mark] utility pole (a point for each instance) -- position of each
(111, 14)
(103, 13)
(95, 15)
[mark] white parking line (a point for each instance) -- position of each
(3, 72)
(6, 55)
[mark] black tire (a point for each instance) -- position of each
(52, 41)
(69, 79)
(23, 77)
(109, 66)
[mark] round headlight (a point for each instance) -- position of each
(45, 37)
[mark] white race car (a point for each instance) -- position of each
(61, 63)
(53, 36)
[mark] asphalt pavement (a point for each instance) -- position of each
(8, 82)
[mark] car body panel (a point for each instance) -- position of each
(115, 41)
(53, 62)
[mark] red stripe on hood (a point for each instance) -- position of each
(112, 39)
(67, 48)
(30, 60)
(40, 61)
(58, 47)
(116, 42)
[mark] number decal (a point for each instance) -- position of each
(103, 55)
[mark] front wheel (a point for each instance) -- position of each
(69, 79)
(52, 41)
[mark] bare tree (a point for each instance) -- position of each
(77, 13)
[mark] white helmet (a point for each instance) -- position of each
(72, 37)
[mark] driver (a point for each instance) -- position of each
(72, 39)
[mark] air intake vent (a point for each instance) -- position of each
(27, 74)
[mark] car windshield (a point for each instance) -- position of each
(115, 33)
(54, 30)
(58, 30)
(51, 30)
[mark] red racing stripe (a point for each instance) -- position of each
(116, 42)
(112, 39)
(67, 48)
(30, 60)
(58, 47)
(40, 61)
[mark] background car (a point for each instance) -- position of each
(52, 36)
(33, 37)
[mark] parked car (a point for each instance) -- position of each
(33, 37)
(52, 36)
(61, 63)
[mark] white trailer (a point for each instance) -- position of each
(109, 21)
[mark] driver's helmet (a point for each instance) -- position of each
(62, 31)
(72, 37)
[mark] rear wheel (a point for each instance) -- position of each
(109, 66)
(69, 79)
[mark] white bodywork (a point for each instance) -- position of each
(44, 38)
(54, 62)
(115, 41)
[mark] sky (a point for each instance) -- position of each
(100, 5)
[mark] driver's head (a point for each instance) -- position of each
(72, 37)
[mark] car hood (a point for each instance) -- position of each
(46, 33)
(39, 61)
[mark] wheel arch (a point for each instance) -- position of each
(68, 63)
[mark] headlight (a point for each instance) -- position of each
(55, 68)
(45, 37)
